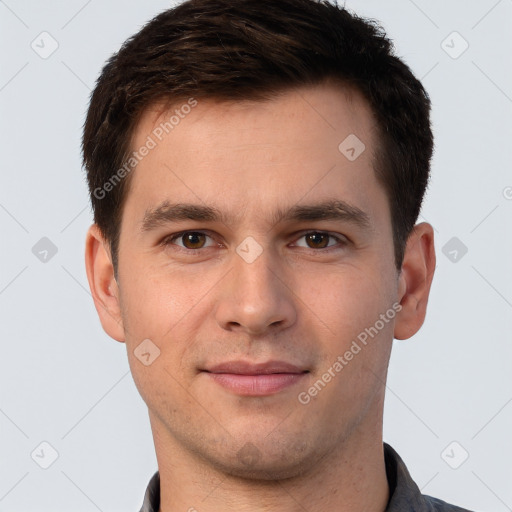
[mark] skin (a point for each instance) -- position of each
(295, 302)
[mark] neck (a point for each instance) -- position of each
(351, 478)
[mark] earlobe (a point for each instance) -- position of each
(415, 281)
(102, 282)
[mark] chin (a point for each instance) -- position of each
(288, 460)
(266, 470)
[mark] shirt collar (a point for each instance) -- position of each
(152, 497)
(404, 494)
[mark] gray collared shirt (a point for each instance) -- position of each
(404, 493)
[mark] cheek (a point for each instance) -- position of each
(356, 340)
(171, 309)
(154, 300)
(349, 299)
(349, 304)
(156, 316)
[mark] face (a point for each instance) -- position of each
(269, 296)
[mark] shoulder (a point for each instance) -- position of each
(437, 505)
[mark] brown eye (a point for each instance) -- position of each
(317, 240)
(193, 240)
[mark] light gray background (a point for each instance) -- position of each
(65, 382)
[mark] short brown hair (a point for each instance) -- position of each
(251, 50)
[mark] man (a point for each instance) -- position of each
(256, 169)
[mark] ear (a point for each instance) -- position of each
(415, 280)
(102, 282)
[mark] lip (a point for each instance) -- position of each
(248, 368)
(256, 379)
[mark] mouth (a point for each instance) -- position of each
(256, 379)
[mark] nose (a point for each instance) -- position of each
(256, 296)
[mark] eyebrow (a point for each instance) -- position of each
(334, 209)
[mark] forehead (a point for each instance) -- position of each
(302, 114)
(250, 155)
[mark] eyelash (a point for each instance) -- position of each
(342, 241)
